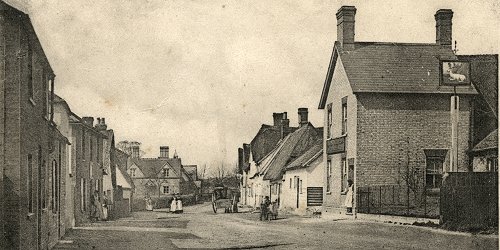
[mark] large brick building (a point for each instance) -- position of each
(32, 151)
(385, 111)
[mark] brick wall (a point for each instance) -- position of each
(386, 121)
(26, 132)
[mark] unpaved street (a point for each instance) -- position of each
(200, 228)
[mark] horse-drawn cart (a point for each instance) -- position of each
(221, 198)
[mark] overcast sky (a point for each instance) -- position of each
(202, 76)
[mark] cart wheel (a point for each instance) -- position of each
(234, 205)
(214, 207)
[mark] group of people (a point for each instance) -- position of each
(176, 205)
(99, 208)
(268, 209)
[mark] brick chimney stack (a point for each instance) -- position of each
(303, 116)
(277, 117)
(135, 151)
(285, 124)
(164, 152)
(88, 120)
(443, 27)
(101, 124)
(345, 26)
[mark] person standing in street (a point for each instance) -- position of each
(105, 206)
(264, 208)
(173, 205)
(348, 199)
(179, 206)
(96, 207)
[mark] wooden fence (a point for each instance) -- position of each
(470, 199)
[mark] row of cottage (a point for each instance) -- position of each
(54, 163)
(386, 110)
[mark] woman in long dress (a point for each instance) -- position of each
(96, 207)
(348, 199)
(149, 203)
(179, 206)
(105, 207)
(173, 205)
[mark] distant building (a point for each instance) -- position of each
(32, 151)
(159, 177)
(386, 111)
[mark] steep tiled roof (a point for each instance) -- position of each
(150, 167)
(310, 155)
(393, 68)
(294, 145)
(265, 140)
(490, 142)
(397, 67)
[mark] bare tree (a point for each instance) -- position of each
(222, 172)
(202, 172)
(410, 172)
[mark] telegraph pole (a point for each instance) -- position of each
(454, 112)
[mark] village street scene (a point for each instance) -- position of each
(166, 124)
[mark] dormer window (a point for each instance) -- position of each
(132, 172)
(165, 172)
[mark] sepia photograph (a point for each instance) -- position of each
(238, 124)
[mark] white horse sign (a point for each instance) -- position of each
(455, 73)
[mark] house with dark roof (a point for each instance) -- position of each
(159, 177)
(302, 187)
(266, 175)
(261, 145)
(386, 110)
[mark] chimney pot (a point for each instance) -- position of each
(135, 151)
(103, 120)
(164, 152)
(88, 120)
(443, 27)
(345, 26)
(303, 116)
(277, 117)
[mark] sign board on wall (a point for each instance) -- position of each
(455, 73)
